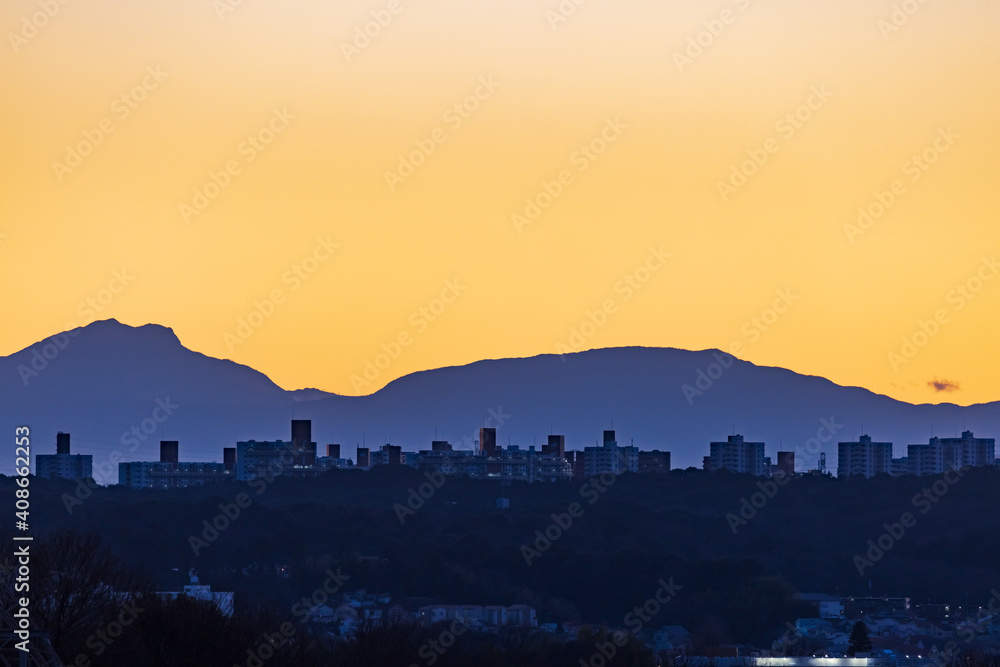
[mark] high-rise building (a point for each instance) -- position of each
(610, 458)
(388, 455)
(556, 446)
(864, 458)
(941, 454)
(169, 451)
(737, 455)
(786, 463)
(62, 464)
(488, 441)
(364, 457)
(229, 458)
(303, 449)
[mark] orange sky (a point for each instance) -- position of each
(116, 113)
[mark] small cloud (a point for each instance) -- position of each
(943, 385)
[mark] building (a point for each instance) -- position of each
(195, 591)
(941, 454)
(295, 458)
(487, 441)
(863, 458)
(364, 457)
(169, 473)
(477, 616)
(333, 459)
(62, 464)
(556, 446)
(388, 455)
(654, 461)
(737, 455)
(509, 464)
(786, 463)
(900, 466)
(610, 458)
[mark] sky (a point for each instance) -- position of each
(341, 193)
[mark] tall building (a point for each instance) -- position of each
(786, 463)
(864, 458)
(169, 451)
(610, 458)
(941, 454)
(488, 441)
(303, 449)
(389, 455)
(295, 458)
(364, 457)
(737, 455)
(62, 464)
(556, 446)
(229, 459)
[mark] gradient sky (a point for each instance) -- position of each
(682, 126)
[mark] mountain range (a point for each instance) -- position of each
(119, 389)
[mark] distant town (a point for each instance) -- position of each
(298, 457)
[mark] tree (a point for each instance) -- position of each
(859, 640)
